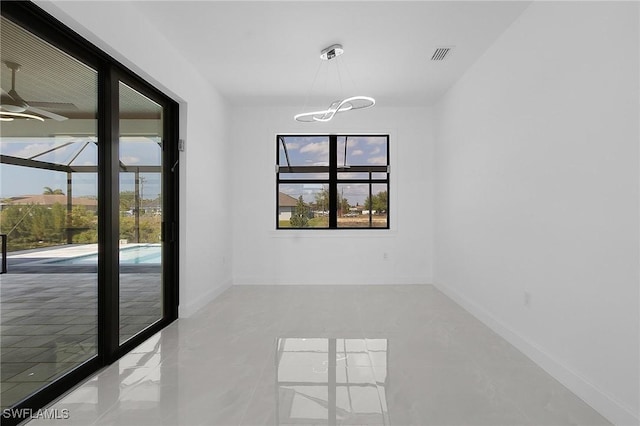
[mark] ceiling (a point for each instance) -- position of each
(267, 52)
(49, 75)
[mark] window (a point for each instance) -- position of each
(332, 181)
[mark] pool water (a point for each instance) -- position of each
(146, 254)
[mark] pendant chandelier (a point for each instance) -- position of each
(337, 106)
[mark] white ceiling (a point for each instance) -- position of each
(267, 52)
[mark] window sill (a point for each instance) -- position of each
(333, 233)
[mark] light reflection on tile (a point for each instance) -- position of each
(261, 355)
(329, 381)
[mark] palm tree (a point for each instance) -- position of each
(49, 191)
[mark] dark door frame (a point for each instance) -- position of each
(110, 72)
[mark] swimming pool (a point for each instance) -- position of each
(144, 253)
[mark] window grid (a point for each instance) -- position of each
(328, 181)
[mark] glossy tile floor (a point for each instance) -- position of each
(289, 355)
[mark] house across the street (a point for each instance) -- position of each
(287, 206)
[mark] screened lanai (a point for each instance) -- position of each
(66, 167)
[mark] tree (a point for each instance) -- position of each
(322, 200)
(300, 217)
(14, 222)
(368, 204)
(344, 205)
(127, 200)
(58, 214)
(378, 202)
(40, 220)
(81, 218)
(49, 191)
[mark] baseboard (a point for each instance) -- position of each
(600, 401)
(188, 309)
(261, 280)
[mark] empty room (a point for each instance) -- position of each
(320, 212)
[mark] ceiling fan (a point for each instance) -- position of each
(13, 104)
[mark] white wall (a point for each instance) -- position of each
(537, 188)
(537, 191)
(262, 255)
(205, 237)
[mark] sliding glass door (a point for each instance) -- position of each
(141, 211)
(49, 213)
(88, 210)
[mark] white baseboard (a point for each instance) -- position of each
(600, 401)
(261, 280)
(185, 310)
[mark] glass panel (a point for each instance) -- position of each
(379, 205)
(367, 211)
(318, 176)
(303, 150)
(345, 176)
(351, 200)
(362, 150)
(379, 176)
(48, 212)
(303, 205)
(140, 212)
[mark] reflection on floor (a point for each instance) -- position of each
(48, 324)
(243, 360)
(334, 381)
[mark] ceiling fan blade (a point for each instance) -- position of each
(54, 105)
(47, 114)
(12, 102)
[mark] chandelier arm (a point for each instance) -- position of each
(331, 112)
(335, 107)
(308, 117)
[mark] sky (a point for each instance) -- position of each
(17, 180)
(303, 151)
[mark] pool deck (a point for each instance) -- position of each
(58, 252)
(45, 260)
(48, 315)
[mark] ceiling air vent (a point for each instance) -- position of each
(441, 53)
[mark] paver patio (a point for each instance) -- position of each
(48, 320)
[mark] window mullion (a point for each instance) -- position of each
(370, 202)
(333, 181)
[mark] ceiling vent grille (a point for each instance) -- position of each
(441, 53)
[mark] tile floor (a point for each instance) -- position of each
(48, 324)
(292, 355)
